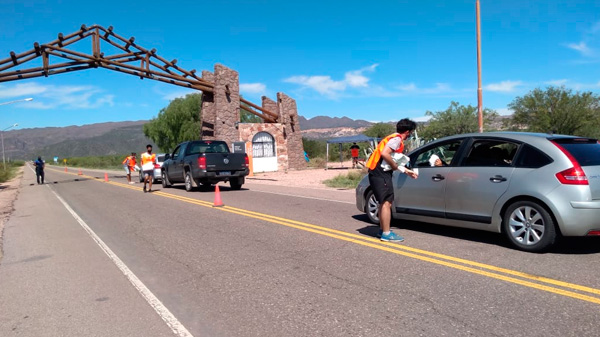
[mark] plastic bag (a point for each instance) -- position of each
(399, 158)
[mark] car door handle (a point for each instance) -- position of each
(497, 179)
(438, 177)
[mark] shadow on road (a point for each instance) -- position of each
(566, 245)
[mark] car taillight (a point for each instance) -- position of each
(594, 233)
(573, 175)
(202, 163)
(246, 161)
(156, 166)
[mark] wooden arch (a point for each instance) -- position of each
(151, 65)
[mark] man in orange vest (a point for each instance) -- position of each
(381, 180)
(148, 161)
(129, 165)
(354, 151)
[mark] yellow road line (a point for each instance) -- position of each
(403, 250)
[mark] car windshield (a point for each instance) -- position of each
(585, 150)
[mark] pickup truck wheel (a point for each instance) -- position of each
(165, 180)
(236, 184)
(189, 182)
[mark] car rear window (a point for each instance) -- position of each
(585, 150)
(160, 158)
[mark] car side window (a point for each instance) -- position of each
(491, 153)
(176, 152)
(440, 155)
(530, 157)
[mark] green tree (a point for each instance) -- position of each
(456, 119)
(380, 130)
(178, 122)
(246, 116)
(557, 110)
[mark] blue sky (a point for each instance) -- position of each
(378, 61)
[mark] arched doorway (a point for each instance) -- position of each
(264, 152)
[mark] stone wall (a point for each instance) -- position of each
(221, 117)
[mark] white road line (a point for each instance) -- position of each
(302, 196)
(154, 302)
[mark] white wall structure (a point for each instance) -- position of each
(264, 158)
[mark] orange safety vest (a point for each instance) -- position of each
(131, 161)
(376, 155)
(148, 158)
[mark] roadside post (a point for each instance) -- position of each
(250, 164)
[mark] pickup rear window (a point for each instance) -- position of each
(585, 150)
(208, 147)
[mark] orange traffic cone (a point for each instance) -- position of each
(65, 169)
(105, 176)
(218, 202)
(80, 173)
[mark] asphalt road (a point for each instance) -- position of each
(109, 260)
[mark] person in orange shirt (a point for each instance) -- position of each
(130, 165)
(148, 161)
(354, 150)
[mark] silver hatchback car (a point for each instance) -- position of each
(531, 187)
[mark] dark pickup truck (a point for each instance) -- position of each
(204, 162)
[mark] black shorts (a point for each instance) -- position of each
(382, 186)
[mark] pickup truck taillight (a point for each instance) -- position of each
(202, 163)
(246, 161)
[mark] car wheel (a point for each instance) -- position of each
(529, 226)
(189, 182)
(165, 181)
(235, 184)
(372, 208)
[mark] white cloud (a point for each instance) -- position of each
(327, 86)
(253, 88)
(412, 88)
(557, 82)
(21, 89)
(504, 86)
(176, 94)
(50, 96)
(581, 47)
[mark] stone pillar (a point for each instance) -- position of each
(208, 112)
(227, 102)
(289, 118)
(271, 105)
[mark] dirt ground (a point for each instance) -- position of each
(8, 194)
(312, 178)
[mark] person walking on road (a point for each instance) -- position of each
(39, 170)
(148, 162)
(381, 181)
(130, 165)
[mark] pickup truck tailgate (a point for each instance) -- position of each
(225, 161)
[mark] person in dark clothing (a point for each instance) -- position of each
(39, 170)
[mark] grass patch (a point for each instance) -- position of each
(11, 170)
(349, 180)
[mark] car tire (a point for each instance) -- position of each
(189, 181)
(372, 207)
(165, 180)
(236, 184)
(529, 226)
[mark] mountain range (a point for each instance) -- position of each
(124, 137)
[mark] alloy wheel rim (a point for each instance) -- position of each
(373, 207)
(526, 225)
